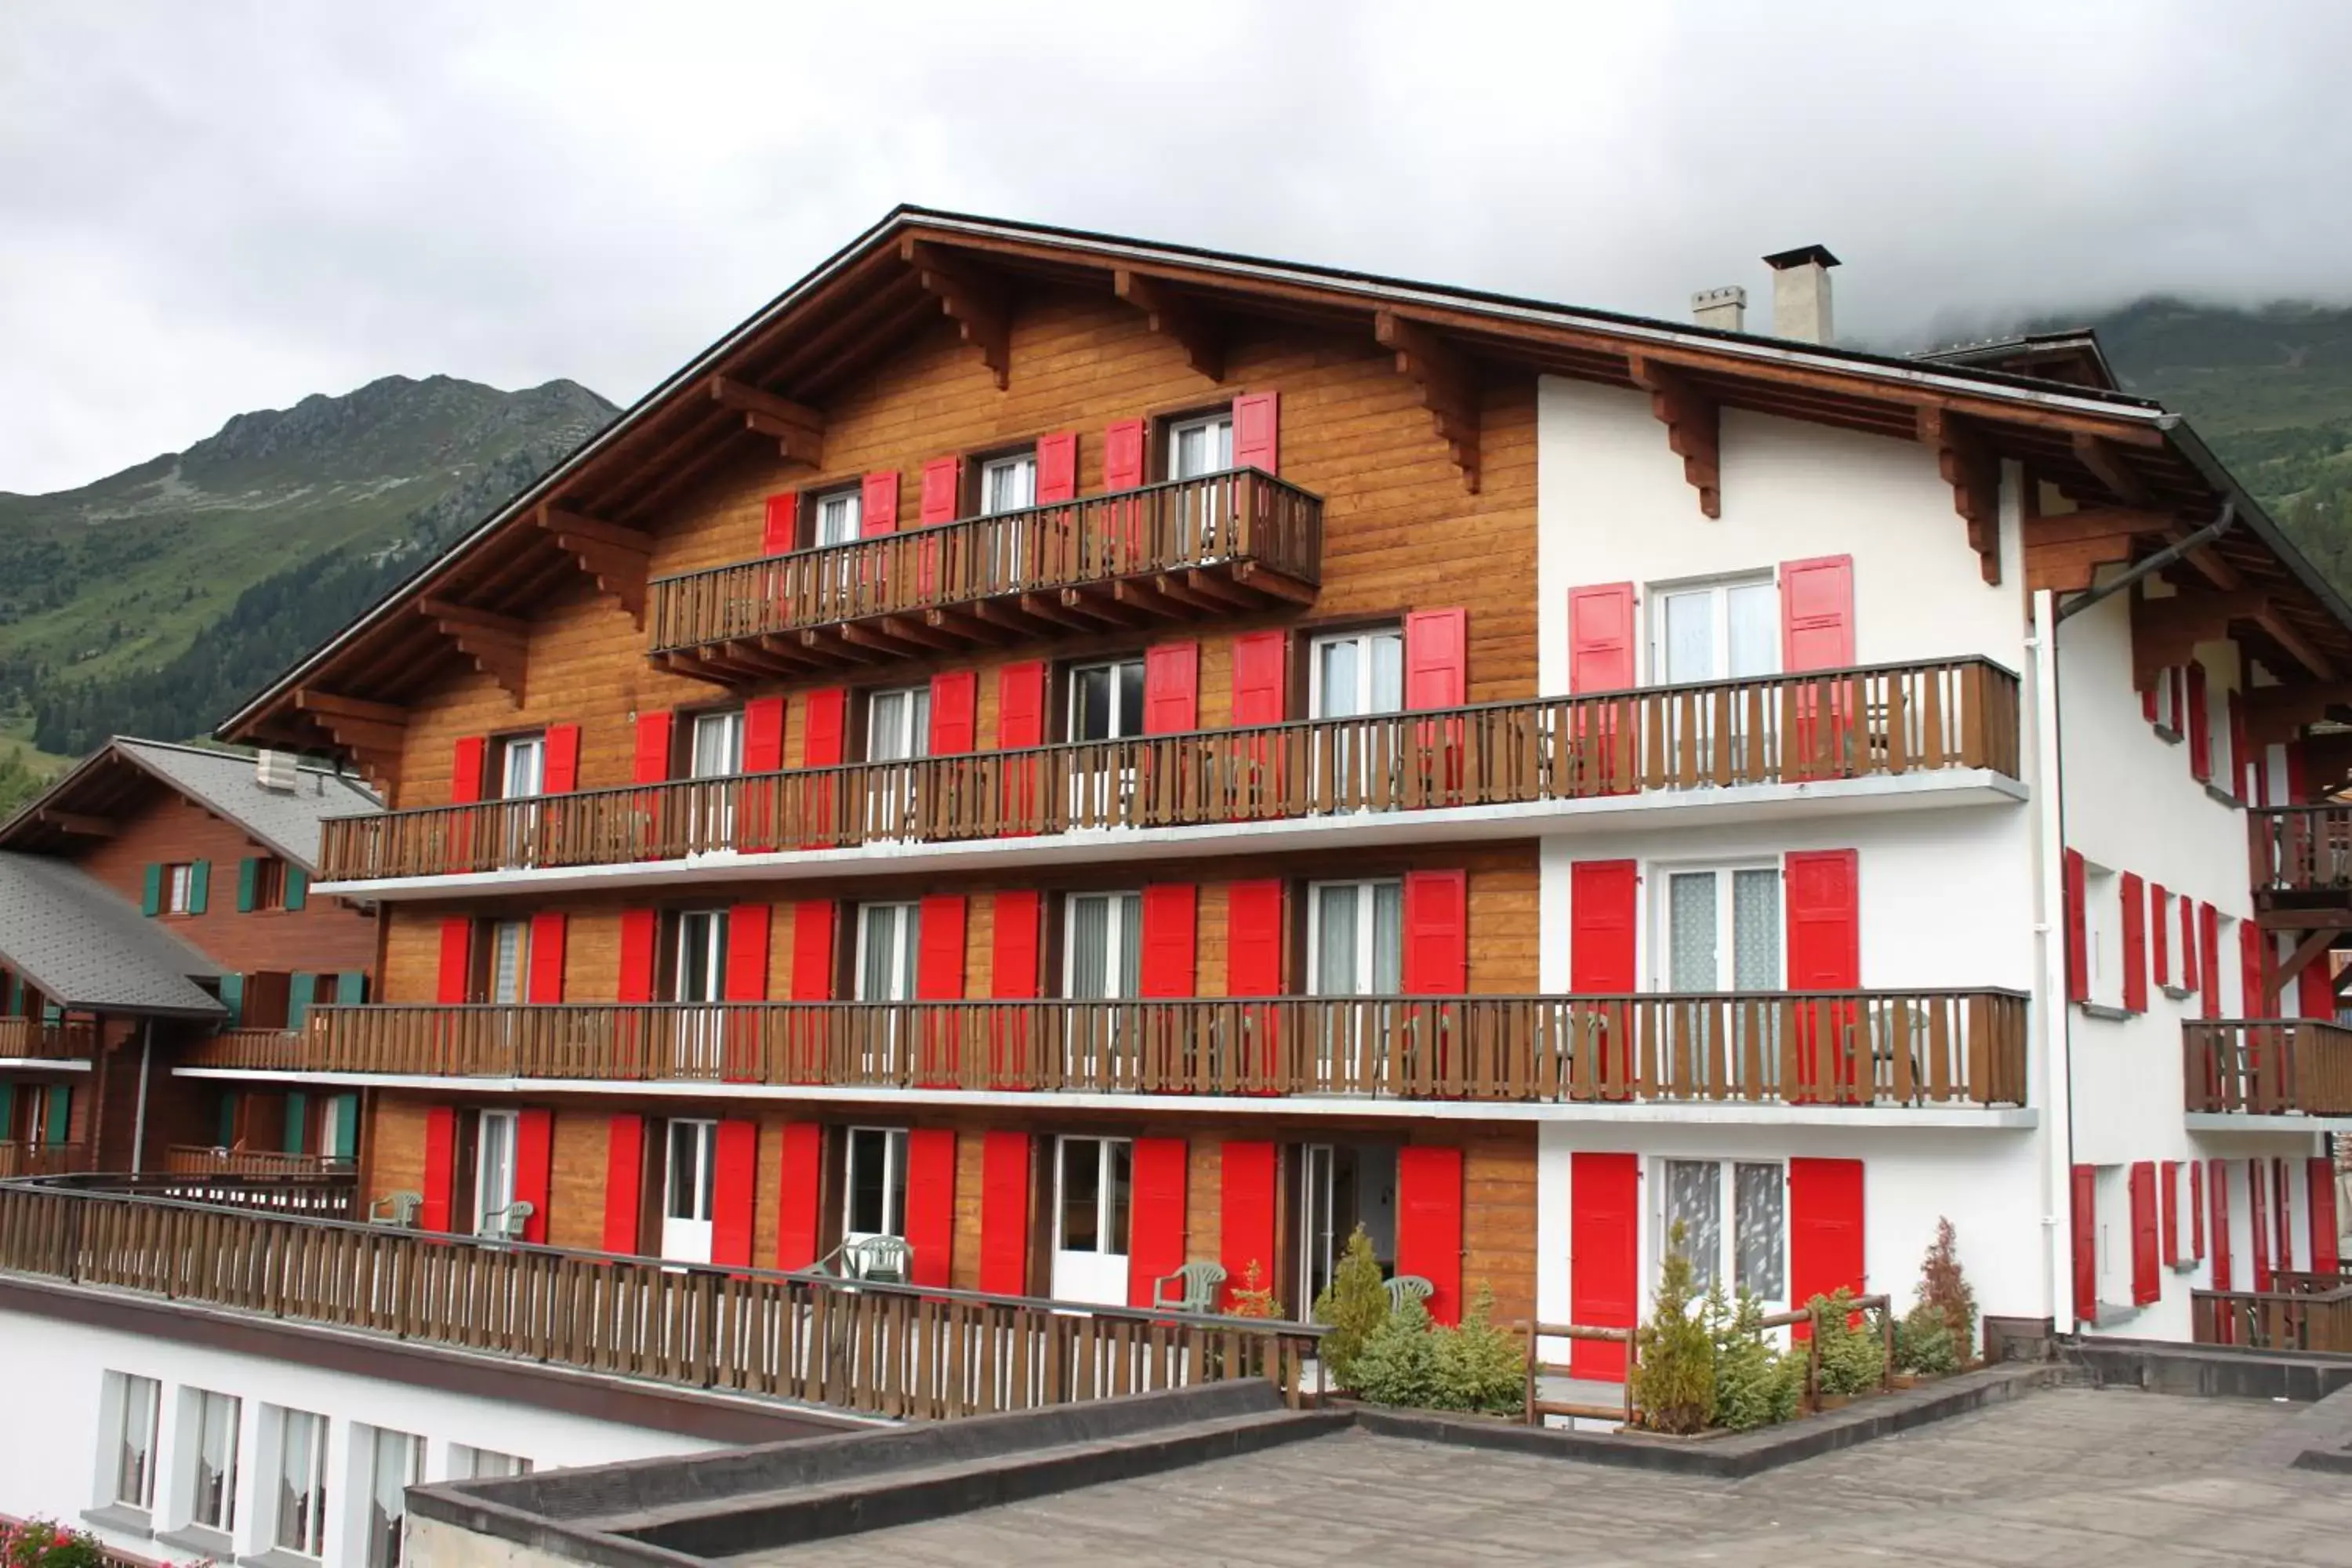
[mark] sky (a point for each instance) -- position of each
(215, 207)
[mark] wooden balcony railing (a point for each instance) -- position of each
(1790, 728)
(2306, 1314)
(200, 1160)
(31, 1039)
(2301, 849)
(889, 1350)
(1912, 1047)
(326, 1192)
(2268, 1067)
(21, 1159)
(1215, 545)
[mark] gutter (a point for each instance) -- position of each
(2200, 457)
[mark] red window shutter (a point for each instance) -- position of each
(547, 934)
(2189, 968)
(2218, 1191)
(1004, 1212)
(1824, 920)
(1057, 466)
(877, 503)
(763, 735)
(2147, 1286)
(798, 1189)
(955, 712)
(780, 533)
(534, 1177)
(1123, 456)
(2240, 755)
(651, 764)
(1021, 705)
(562, 773)
(2298, 775)
(2320, 1173)
(1436, 933)
(939, 959)
(734, 1177)
(1600, 929)
(1246, 1217)
(1429, 1222)
(942, 494)
(2135, 933)
(624, 1171)
(1169, 945)
(1012, 963)
(2147, 701)
(2159, 932)
(747, 953)
(2168, 1210)
(2196, 1209)
(1601, 639)
(2283, 1196)
(2315, 991)
(2078, 935)
(2200, 728)
(1816, 613)
(1171, 688)
(2085, 1216)
(454, 982)
(1437, 658)
(2258, 1221)
(1258, 431)
(466, 769)
(1260, 678)
(2208, 948)
(638, 931)
(2251, 1002)
(440, 1167)
(930, 1206)
(823, 737)
(813, 922)
(1155, 1243)
(1604, 1229)
(1253, 938)
(1825, 1230)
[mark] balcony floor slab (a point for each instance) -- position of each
(44, 1064)
(1946, 789)
(2293, 1123)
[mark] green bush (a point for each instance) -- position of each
(1944, 1293)
(44, 1544)
(1409, 1360)
(1353, 1307)
(1852, 1359)
(1398, 1362)
(1754, 1384)
(1673, 1375)
(1923, 1343)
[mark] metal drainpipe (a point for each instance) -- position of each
(139, 1116)
(2057, 1021)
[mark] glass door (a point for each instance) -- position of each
(888, 944)
(874, 1191)
(1092, 1193)
(701, 975)
(1009, 485)
(1355, 943)
(1714, 631)
(523, 773)
(1723, 936)
(1102, 961)
(494, 1174)
(1106, 708)
(688, 1192)
(1341, 1186)
(898, 730)
(717, 756)
(1196, 448)
(1358, 676)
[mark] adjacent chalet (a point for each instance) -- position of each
(1058, 766)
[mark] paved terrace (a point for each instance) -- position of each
(2068, 1477)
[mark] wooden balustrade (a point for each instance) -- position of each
(891, 1351)
(2302, 848)
(1228, 527)
(21, 1159)
(198, 1158)
(1773, 730)
(31, 1039)
(1912, 1047)
(2267, 1067)
(326, 1192)
(2289, 1320)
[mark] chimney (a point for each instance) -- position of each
(1725, 309)
(277, 771)
(1800, 294)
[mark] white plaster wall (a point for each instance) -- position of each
(51, 1466)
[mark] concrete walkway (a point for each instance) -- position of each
(2066, 1477)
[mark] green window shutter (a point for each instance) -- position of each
(60, 1118)
(154, 902)
(298, 887)
(8, 1111)
(16, 996)
(200, 879)
(350, 987)
(52, 1013)
(226, 1134)
(347, 1127)
(232, 994)
(248, 876)
(298, 1118)
(298, 997)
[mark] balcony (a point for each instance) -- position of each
(2267, 1067)
(2300, 1313)
(2302, 856)
(30, 1039)
(203, 1160)
(1224, 545)
(1907, 722)
(1882, 1048)
(22, 1159)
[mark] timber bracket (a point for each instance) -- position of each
(1189, 325)
(371, 732)
(616, 557)
(1694, 424)
(979, 302)
(499, 645)
(1967, 466)
(797, 430)
(1447, 382)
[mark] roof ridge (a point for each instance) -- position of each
(225, 754)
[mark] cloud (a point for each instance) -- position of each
(206, 209)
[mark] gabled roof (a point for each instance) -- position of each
(2074, 357)
(594, 513)
(85, 947)
(115, 777)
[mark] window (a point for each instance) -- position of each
(208, 1436)
(509, 956)
(1355, 673)
(1355, 938)
(2103, 935)
(717, 745)
(522, 766)
(699, 971)
(1723, 930)
(179, 889)
(299, 1489)
(876, 1190)
(269, 884)
(1095, 1178)
(1103, 954)
(2167, 705)
(692, 1173)
(1008, 484)
(898, 725)
(137, 1401)
(1197, 446)
(1106, 700)
(494, 1174)
(1751, 1253)
(467, 1463)
(1715, 631)
(836, 515)
(887, 938)
(392, 1461)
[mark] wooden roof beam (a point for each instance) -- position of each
(978, 301)
(2279, 630)
(1192, 328)
(2106, 463)
(2165, 631)
(1694, 424)
(373, 733)
(2278, 713)
(797, 430)
(615, 557)
(1448, 384)
(76, 822)
(1967, 466)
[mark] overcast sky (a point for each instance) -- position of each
(211, 207)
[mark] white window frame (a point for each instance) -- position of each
(1367, 931)
(370, 1448)
(892, 1143)
(914, 728)
(837, 516)
(1221, 421)
(1123, 906)
(468, 1463)
(1106, 1210)
(712, 926)
(512, 752)
(1720, 589)
(1117, 730)
(504, 933)
(1727, 1262)
(1013, 464)
(1661, 877)
(1364, 637)
(701, 1192)
(2168, 717)
(906, 935)
(197, 1406)
(133, 1408)
(495, 1169)
(2103, 936)
(180, 882)
(725, 721)
(305, 1533)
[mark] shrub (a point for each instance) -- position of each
(1398, 1362)
(1754, 1384)
(1924, 1345)
(44, 1544)
(1944, 1293)
(1673, 1377)
(1253, 1298)
(1853, 1359)
(1479, 1366)
(1353, 1307)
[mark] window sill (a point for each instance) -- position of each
(2107, 1315)
(2225, 798)
(2101, 1010)
(122, 1518)
(2178, 993)
(200, 1538)
(278, 1557)
(2166, 735)
(2187, 1265)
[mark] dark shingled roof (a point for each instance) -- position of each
(86, 947)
